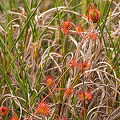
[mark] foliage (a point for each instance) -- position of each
(60, 59)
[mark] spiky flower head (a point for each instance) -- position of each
(65, 31)
(68, 92)
(88, 96)
(43, 108)
(92, 36)
(3, 110)
(84, 66)
(78, 29)
(66, 24)
(94, 15)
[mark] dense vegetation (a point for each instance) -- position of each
(59, 60)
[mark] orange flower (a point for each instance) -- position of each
(92, 36)
(78, 29)
(3, 110)
(94, 15)
(66, 24)
(64, 30)
(49, 81)
(88, 96)
(68, 92)
(84, 66)
(43, 108)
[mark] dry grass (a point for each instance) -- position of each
(33, 49)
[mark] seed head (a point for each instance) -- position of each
(49, 81)
(94, 15)
(88, 96)
(43, 108)
(3, 110)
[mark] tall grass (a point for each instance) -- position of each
(33, 46)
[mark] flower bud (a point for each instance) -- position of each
(94, 15)
(49, 81)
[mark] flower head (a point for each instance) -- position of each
(3, 110)
(66, 24)
(78, 29)
(92, 36)
(68, 92)
(94, 15)
(64, 30)
(43, 108)
(88, 96)
(84, 66)
(49, 81)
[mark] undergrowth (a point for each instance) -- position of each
(60, 60)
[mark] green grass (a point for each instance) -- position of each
(33, 48)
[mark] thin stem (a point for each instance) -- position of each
(75, 79)
(52, 90)
(51, 95)
(55, 115)
(56, 84)
(33, 114)
(14, 113)
(80, 46)
(79, 16)
(89, 81)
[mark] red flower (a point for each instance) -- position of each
(78, 29)
(66, 24)
(3, 110)
(43, 108)
(68, 92)
(94, 15)
(64, 30)
(84, 66)
(92, 36)
(88, 96)
(49, 81)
